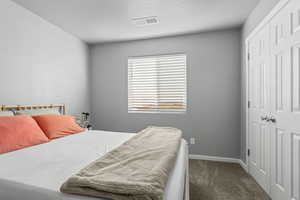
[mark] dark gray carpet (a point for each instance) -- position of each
(222, 181)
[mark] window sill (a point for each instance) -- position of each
(156, 112)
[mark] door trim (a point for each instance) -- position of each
(267, 18)
(264, 22)
(246, 103)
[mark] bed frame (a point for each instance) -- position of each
(61, 107)
(187, 178)
(62, 110)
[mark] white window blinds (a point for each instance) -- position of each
(157, 83)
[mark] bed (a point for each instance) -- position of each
(37, 172)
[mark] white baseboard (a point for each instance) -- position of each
(214, 158)
(244, 165)
(219, 159)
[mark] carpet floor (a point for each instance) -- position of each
(222, 181)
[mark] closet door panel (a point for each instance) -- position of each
(295, 19)
(280, 104)
(279, 159)
(264, 138)
(285, 101)
(259, 131)
(296, 78)
(274, 91)
(295, 167)
(294, 122)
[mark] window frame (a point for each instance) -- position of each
(159, 111)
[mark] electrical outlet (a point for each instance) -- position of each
(192, 140)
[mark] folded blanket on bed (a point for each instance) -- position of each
(136, 170)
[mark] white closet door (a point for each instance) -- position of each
(285, 103)
(259, 131)
(294, 148)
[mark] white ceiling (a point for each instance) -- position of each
(111, 20)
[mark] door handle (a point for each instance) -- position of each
(264, 118)
(272, 119)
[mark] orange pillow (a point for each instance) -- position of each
(55, 126)
(17, 132)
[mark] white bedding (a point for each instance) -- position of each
(36, 173)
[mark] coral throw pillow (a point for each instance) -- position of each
(17, 132)
(55, 126)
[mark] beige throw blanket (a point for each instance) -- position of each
(136, 170)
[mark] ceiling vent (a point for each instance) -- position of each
(145, 21)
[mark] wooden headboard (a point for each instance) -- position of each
(61, 107)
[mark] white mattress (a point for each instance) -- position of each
(36, 173)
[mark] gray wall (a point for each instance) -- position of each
(257, 15)
(39, 62)
(213, 115)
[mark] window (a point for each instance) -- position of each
(157, 84)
